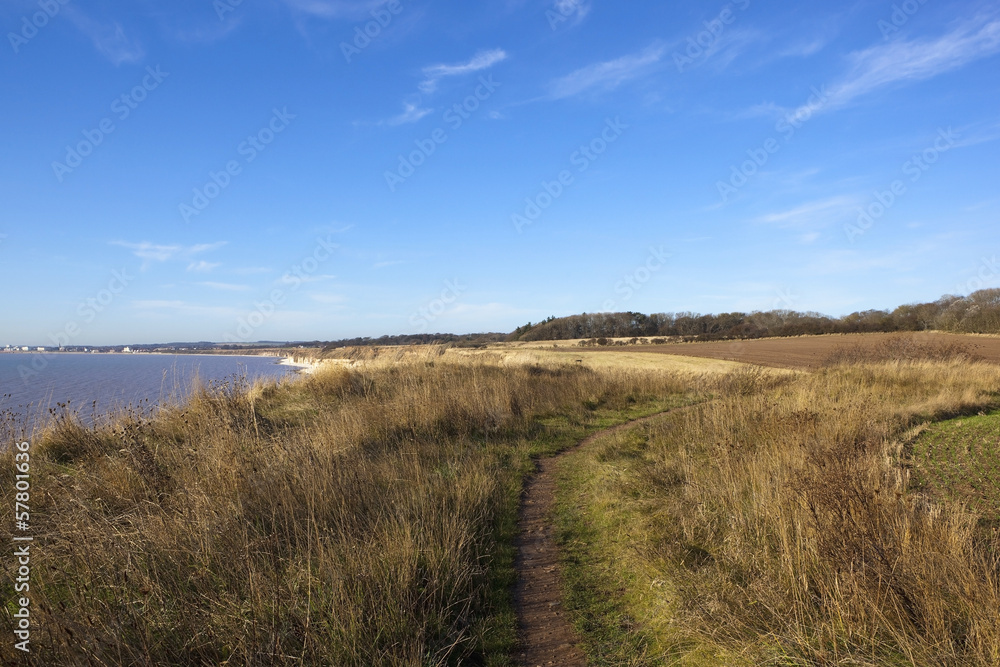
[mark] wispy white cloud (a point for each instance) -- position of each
(411, 114)
(108, 37)
(290, 279)
(204, 247)
(761, 110)
(150, 251)
(981, 133)
(203, 266)
(733, 44)
(804, 49)
(334, 9)
(607, 75)
(206, 33)
(480, 61)
(227, 287)
(413, 110)
(904, 61)
(812, 214)
(155, 252)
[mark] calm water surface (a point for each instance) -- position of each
(116, 380)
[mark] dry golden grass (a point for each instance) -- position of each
(358, 516)
(519, 354)
(364, 515)
(777, 525)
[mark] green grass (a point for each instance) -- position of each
(959, 460)
(605, 590)
(556, 433)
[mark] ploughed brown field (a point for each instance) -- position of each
(814, 351)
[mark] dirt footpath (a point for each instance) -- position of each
(546, 636)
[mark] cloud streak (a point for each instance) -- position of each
(203, 266)
(906, 61)
(608, 75)
(413, 111)
(480, 61)
(108, 38)
(334, 9)
(155, 252)
(227, 287)
(411, 114)
(812, 214)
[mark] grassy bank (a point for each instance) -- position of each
(780, 524)
(354, 517)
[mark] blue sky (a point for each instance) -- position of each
(317, 169)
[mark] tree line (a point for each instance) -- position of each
(456, 340)
(978, 312)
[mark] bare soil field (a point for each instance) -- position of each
(809, 352)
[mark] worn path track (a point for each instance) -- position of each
(546, 636)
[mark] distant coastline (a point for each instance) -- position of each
(304, 366)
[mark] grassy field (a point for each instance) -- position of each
(779, 524)
(365, 515)
(959, 460)
(360, 516)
